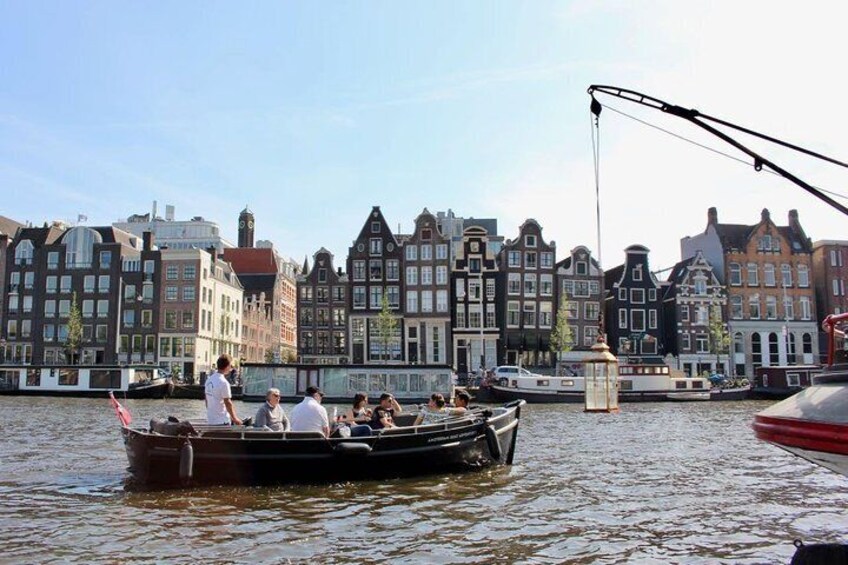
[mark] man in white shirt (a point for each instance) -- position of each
(309, 415)
(219, 403)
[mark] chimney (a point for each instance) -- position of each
(712, 216)
(213, 252)
(339, 271)
(765, 215)
(793, 220)
(147, 238)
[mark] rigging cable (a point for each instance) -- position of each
(594, 115)
(708, 148)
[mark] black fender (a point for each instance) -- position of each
(493, 443)
(352, 448)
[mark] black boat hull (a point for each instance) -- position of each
(154, 390)
(253, 457)
(198, 392)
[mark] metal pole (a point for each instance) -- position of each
(482, 324)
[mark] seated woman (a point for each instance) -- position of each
(270, 415)
(435, 411)
(358, 416)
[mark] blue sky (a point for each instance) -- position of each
(310, 113)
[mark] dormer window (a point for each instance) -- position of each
(530, 240)
(426, 234)
(375, 227)
(637, 273)
(581, 267)
(23, 253)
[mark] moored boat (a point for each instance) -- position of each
(174, 453)
(813, 424)
(129, 381)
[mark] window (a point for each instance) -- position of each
(189, 272)
(442, 251)
(411, 301)
(591, 310)
(475, 316)
(513, 313)
(88, 308)
(684, 312)
(652, 319)
(49, 332)
(411, 253)
(102, 308)
(490, 289)
(514, 259)
(171, 293)
(24, 252)
(392, 269)
(359, 297)
(572, 310)
(376, 246)
(768, 275)
(753, 278)
(441, 275)
(426, 252)
(622, 294)
(393, 293)
(788, 308)
(170, 320)
(754, 307)
(29, 279)
(460, 316)
(64, 308)
(637, 273)
(547, 285)
(51, 284)
(441, 301)
(652, 294)
(637, 295)
(172, 272)
(806, 308)
(736, 311)
(530, 260)
(581, 289)
(53, 260)
(146, 318)
(545, 315)
(701, 344)
(129, 318)
(622, 319)
(338, 293)
(375, 270)
(702, 314)
(838, 287)
(514, 283)
(530, 284)
(835, 257)
(490, 316)
(105, 259)
(65, 284)
(359, 270)
(735, 274)
(426, 301)
(590, 335)
(189, 294)
(101, 332)
(376, 298)
(803, 276)
(129, 293)
(581, 267)
(786, 275)
(338, 316)
(700, 286)
(103, 284)
(188, 319)
(49, 308)
(637, 320)
(547, 260)
(530, 240)
(529, 317)
(426, 275)
(685, 342)
(375, 227)
(411, 276)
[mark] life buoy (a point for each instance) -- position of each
(493, 443)
(186, 462)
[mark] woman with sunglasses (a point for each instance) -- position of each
(270, 415)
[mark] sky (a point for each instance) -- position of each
(310, 113)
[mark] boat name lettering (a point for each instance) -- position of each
(451, 437)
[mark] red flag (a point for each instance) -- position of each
(123, 414)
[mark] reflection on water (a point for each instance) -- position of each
(657, 483)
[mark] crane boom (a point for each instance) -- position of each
(699, 119)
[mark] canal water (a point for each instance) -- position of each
(656, 483)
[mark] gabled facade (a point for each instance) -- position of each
(634, 307)
(830, 272)
(476, 287)
(426, 281)
(579, 280)
(694, 299)
(323, 309)
(771, 299)
(8, 229)
(528, 266)
(374, 265)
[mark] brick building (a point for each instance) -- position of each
(323, 312)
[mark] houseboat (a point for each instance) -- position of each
(776, 383)
(408, 383)
(128, 381)
(636, 383)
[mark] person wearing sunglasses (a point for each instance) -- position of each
(270, 415)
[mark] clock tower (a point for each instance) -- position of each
(245, 228)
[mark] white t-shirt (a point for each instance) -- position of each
(217, 389)
(309, 416)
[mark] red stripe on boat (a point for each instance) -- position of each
(814, 436)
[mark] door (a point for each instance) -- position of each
(358, 353)
(462, 361)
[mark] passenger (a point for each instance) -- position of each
(435, 411)
(270, 415)
(461, 403)
(218, 396)
(309, 415)
(383, 415)
(358, 416)
(360, 411)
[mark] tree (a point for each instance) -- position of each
(387, 325)
(718, 334)
(74, 340)
(562, 336)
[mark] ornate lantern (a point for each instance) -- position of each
(601, 370)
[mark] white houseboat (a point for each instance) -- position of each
(83, 380)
